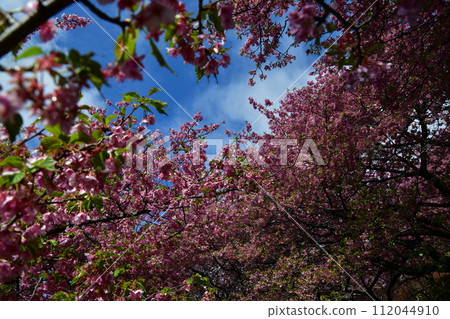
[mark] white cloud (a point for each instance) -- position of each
(10, 5)
(230, 101)
(92, 97)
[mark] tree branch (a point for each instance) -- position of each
(104, 16)
(61, 229)
(17, 32)
(35, 288)
(334, 12)
(5, 15)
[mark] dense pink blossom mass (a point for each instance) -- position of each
(107, 207)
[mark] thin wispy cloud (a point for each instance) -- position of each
(230, 101)
(9, 5)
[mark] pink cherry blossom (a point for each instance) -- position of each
(126, 4)
(105, 1)
(226, 17)
(225, 60)
(409, 9)
(7, 272)
(81, 218)
(212, 67)
(156, 13)
(47, 31)
(188, 54)
(30, 7)
(8, 244)
(302, 23)
(9, 105)
(71, 21)
(149, 120)
(32, 232)
(136, 294)
(173, 52)
(364, 170)
(132, 68)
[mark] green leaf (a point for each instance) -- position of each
(199, 72)
(56, 194)
(118, 271)
(98, 117)
(13, 161)
(128, 97)
(53, 242)
(30, 52)
(86, 68)
(144, 107)
(47, 163)
(87, 204)
(153, 91)
(118, 51)
(63, 296)
(78, 137)
(13, 127)
(346, 61)
(10, 179)
(159, 57)
(72, 206)
(131, 41)
(45, 275)
(4, 179)
(98, 81)
(171, 31)
(77, 278)
(17, 177)
(94, 72)
(214, 17)
(74, 56)
(93, 202)
(126, 44)
(374, 47)
(159, 106)
(144, 100)
(110, 118)
(98, 160)
(98, 135)
(55, 130)
(331, 27)
(50, 142)
(83, 118)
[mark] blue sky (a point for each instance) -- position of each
(226, 100)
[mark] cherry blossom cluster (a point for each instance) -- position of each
(57, 107)
(130, 69)
(302, 23)
(67, 22)
(199, 45)
(47, 31)
(10, 104)
(409, 10)
(71, 21)
(80, 219)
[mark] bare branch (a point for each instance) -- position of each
(17, 32)
(104, 16)
(107, 219)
